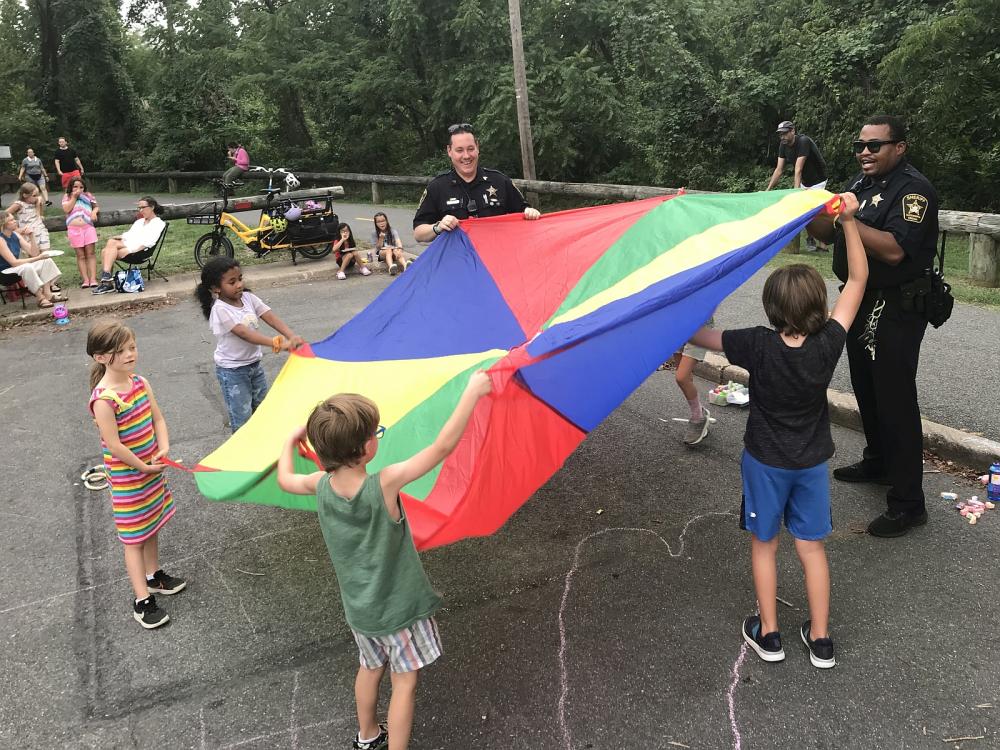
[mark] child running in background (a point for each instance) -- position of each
(388, 601)
(388, 246)
(134, 439)
(234, 315)
(346, 254)
(788, 441)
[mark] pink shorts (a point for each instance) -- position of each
(81, 235)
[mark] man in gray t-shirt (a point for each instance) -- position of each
(33, 169)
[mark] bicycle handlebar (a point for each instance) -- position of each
(270, 170)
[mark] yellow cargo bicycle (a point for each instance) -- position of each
(307, 226)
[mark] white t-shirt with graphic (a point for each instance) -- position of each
(232, 351)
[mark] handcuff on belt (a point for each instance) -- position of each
(867, 337)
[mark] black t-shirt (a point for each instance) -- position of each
(789, 423)
(66, 159)
(491, 193)
(904, 203)
(814, 170)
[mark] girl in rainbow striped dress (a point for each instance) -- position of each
(134, 438)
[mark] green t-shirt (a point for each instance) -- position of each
(382, 583)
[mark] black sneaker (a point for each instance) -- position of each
(768, 647)
(147, 614)
(381, 741)
(862, 471)
(104, 287)
(820, 650)
(165, 584)
(895, 523)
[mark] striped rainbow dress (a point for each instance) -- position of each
(141, 502)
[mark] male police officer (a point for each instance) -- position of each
(466, 190)
(898, 223)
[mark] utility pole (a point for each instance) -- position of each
(521, 93)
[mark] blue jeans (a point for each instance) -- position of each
(243, 390)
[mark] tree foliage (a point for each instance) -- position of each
(669, 92)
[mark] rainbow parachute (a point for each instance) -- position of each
(568, 314)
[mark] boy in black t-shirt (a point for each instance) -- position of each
(787, 440)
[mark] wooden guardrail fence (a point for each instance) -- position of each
(198, 208)
(983, 229)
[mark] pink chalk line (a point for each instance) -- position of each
(737, 739)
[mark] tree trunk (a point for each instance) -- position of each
(294, 130)
(48, 37)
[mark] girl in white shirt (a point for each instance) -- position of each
(234, 315)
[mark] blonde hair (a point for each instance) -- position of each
(339, 428)
(26, 189)
(107, 336)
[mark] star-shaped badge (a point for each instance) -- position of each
(876, 199)
(914, 207)
(492, 192)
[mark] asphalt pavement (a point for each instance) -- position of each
(605, 614)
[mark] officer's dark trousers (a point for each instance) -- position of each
(886, 390)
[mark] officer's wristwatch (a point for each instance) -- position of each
(436, 228)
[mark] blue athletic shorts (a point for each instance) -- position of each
(800, 496)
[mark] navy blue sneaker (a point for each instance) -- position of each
(768, 647)
(820, 650)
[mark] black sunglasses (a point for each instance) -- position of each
(873, 146)
(460, 127)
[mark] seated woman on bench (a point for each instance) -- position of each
(144, 233)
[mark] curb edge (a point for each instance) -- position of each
(972, 451)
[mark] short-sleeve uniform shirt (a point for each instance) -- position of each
(789, 422)
(905, 204)
(814, 169)
(491, 193)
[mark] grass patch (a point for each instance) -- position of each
(956, 270)
(176, 256)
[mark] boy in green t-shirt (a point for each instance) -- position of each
(388, 600)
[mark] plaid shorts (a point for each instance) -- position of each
(408, 650)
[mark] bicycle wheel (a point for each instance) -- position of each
(212, 244)
(315, 252)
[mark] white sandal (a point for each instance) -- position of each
(95, 478)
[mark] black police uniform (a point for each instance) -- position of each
(883, 345)
(491, 193)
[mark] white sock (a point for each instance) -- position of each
(370, 739)
(695, 404)
(150, 577)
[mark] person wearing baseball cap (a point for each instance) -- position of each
(810, 168)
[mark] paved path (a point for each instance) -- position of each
(569, 628)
